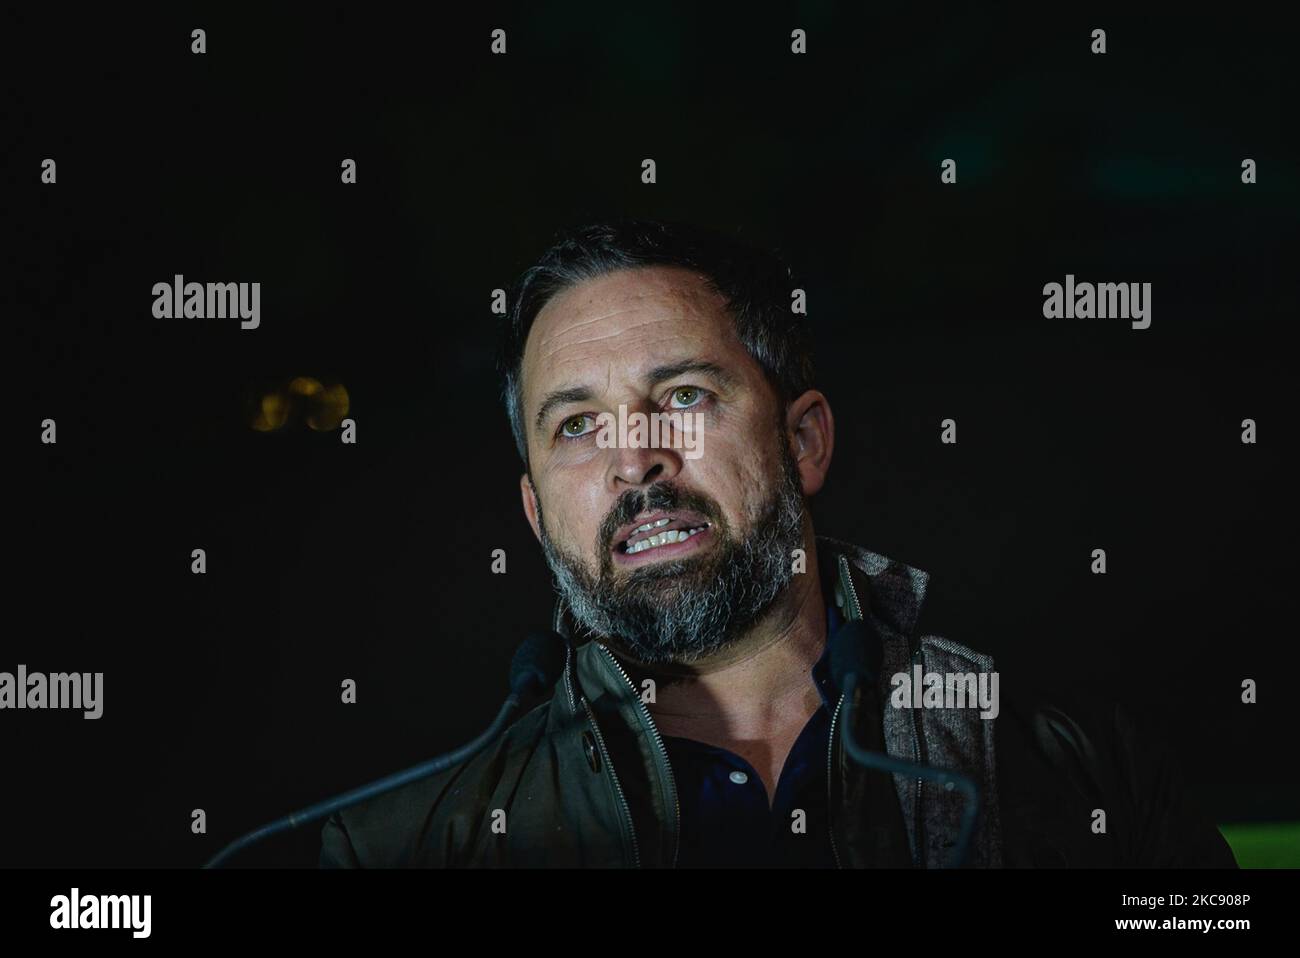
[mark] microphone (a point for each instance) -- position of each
(536, 667)
(856, 656)
(537, 664)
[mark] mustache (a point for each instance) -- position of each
(662, 495)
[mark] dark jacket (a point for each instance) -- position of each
(583, 779)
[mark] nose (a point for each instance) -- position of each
(641, 467)
(640, 463)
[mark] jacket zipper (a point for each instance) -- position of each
(627, 809)
(847, 577)
(663, 751)
(830, 783)
(919, 825)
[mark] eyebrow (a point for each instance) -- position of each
(573, 394)
(559, 398)
(672, 371)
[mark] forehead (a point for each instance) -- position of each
(628, 319)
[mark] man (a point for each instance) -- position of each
(697, 722)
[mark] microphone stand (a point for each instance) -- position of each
(887, 763)
(328, 807)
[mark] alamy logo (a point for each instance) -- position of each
(179, 299)
(946, 690)
(1102, 301)
(58, 690)
(102, 911)
(660, 430)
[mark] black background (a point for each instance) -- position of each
(373, 562)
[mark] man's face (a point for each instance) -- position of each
(721, 526)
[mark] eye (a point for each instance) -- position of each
(686, 396)
(576, 426)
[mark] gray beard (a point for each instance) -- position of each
(680, 612)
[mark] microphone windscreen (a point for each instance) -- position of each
(855, 650)
(538, 663)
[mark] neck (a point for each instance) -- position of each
(760, 685)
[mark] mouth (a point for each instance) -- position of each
(660, 535)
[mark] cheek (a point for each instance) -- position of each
(573, 508)
(738, 478)
(742, 454)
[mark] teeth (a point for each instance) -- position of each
(651, 525)
(662, 538)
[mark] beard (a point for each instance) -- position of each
(681, 611)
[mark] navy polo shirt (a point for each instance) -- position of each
(725, 819)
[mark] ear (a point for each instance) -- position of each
(529, 496)
(811, 428)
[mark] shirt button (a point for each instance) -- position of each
(740, 778)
